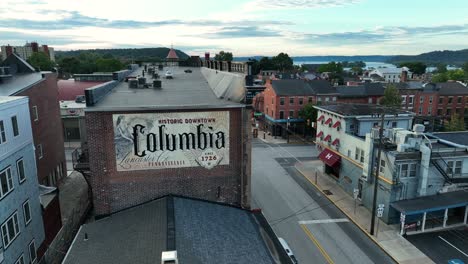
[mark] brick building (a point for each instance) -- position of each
(178, 139)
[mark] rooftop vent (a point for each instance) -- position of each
(80, 99)
(156, 83)
(133, 83)
(169, 257)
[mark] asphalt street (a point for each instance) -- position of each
(314, 228)
(444, 246)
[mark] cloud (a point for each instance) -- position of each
(11, 37)
(297, 4)
(384, 34)
(241, 32)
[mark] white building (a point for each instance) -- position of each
(27, 50)
(390, 75)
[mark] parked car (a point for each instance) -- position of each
(188, 71)
(288, 250)
(168, 75)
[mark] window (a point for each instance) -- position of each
(327, 99)
(2, 132)
(272, 100)
(403, 101)
(301, 101)
(20, 169)
(291, 100)
(291, 113)
(6, 182)
(410, 99)
(32, 252)
(334, 98)
(441, 100)
(281, 100)
(430, 99)
(421, 99)
(429, 110)
(10, 229)
(27, 212)
(281, 114)
(20, 260)
(449, 111)
(34, 113)
(382, 166)
(14, 124)
(309, 100)
(359, 155)
(450, 100)
(420, 110)
(459, 100)
(407, 170)
(349, 153)
(440, 112)
(394, 124)
(40, 151)
(375, 124)
(369, 100)
(319, 99)
(454, 167)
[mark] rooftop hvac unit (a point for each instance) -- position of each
(375, 133)
(169, 257)
(141, 80)
(156, 83)
(418, 129)
(132, 83)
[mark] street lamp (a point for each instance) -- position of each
(287, 129)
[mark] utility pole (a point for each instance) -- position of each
(376, 174)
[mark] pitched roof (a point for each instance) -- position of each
(172, 54)
(200, 231)
(450, 88)
(364, 90)
(458, 137)
(69, 89)
(302, 87)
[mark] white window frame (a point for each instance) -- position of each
(21, 180)
(3, 137)
(382, 166)
(41, 151)
(27, 221)
(35, 113)
(13, 125)
(31, 260)
(9, 181)
(409, 167)
(5, 232)
(454, 167)
(20, 260)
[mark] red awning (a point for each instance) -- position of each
(336, 124)
(336, 142)
(319, 134)
(327, 138)
(328, 121)
(320, 118)
(329, 158)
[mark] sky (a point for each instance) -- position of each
(243, 27)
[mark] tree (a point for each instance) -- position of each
(308, 112)
(108, 65)
(391, 97)
(70, 65)
(282, 62)
(414, 67)
(455, 123)
(331, 67)
(440, 77)
(266, 63)
(465, 68)
(356, 70)
(456, 75)
(41, 62)
(441, 68)
(223, 56)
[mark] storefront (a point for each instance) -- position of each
(331, 161)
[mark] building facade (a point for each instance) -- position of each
(21, 225)
(27, 50)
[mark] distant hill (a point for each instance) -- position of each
(127, 54)
(298, 59)
(453, 57)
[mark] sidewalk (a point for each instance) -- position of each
(293, 139)
(388, 237)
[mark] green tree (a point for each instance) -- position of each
(455, 123)
(391, 97)
(108, 65)
(441, 68)
(439, 77)
(308, 113)
(465, 68)
(282, 62)
(69, 65)
(456, 75)
(414, 67)
(223, 56)
(331, 67)
(266, 63)
(41, 62)
(356, 70)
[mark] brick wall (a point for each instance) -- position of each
(116, 190)
(48, 129)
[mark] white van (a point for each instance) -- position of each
(288, 250)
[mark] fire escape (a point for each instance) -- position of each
(439, 163)
(80, 159)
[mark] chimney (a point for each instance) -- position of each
(34, 46)
(207, 56)
(404, 76)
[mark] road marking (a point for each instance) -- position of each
(324, 221)
(466, 255)
(322, 251)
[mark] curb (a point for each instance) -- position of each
(347, 215)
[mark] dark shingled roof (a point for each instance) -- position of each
(361, 109)
(301, 87)
(432, 202)
(200, 231)
(449, 88)
(459, 137)
(366, 89)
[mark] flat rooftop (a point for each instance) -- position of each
(201, 232)
(184, 91)
(458, 137)
(18, 83)
(5, 99)
(362, 110)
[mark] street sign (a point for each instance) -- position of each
(380, 210)
(355, 193)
